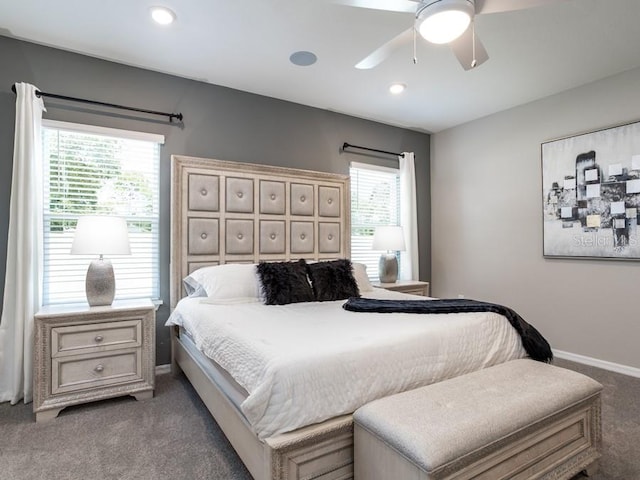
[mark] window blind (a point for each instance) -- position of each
(375, 201)
(97, 171)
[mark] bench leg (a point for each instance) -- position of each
(591, 470)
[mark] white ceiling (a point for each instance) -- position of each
(246, 45)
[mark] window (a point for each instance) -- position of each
(100, 171)
(375, 201)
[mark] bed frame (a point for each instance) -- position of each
(228, 212)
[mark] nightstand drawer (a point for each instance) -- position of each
(413, 287)
(413, 291)
(81, 372)
(90, 338)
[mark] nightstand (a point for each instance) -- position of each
(83, 354)
(415, 287)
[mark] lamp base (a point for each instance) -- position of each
(388, 268)
(100, 284)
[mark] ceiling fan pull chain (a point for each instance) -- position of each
(415, 48)
(419, 11)
(474, 62)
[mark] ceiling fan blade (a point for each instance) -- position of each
(463, 50)
(496, 6)
(388, 5)
(379, 55)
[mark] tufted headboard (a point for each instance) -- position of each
(230, 212)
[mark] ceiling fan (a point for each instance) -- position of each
(441, 21)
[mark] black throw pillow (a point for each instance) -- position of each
(333, 280)
(285, 282)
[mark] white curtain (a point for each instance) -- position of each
(22, 290)
(409, 266)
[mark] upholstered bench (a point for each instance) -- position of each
(518, 420)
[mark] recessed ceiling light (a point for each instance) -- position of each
(303, 58)
(397, 88)
(162, 15)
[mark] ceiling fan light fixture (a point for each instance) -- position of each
(443, 21)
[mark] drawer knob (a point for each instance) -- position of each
(99, 368)
(99, 338)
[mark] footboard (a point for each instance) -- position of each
(323, 451)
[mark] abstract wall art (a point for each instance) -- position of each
(591, 194)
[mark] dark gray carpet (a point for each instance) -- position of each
(620, 422)
(173, 436)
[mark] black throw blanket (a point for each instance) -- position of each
(532, 341)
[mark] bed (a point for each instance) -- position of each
(226, 213)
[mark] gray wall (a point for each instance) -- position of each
(487, 223)
(219, 123)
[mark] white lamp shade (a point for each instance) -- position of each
(101, 235)
(388, 238)
(444, 21)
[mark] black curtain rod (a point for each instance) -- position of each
(103, 104)
(346, 145)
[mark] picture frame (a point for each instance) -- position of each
(591, 194)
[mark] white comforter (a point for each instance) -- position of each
(304, 363)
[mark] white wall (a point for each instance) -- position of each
(486, 205)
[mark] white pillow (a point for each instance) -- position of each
(360, 274)
(222, 282)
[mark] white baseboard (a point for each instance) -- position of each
(594, 362)
(162, 369)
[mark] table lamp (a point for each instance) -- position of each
(391, 239)
(101, 235)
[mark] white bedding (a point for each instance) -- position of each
(306, 362)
